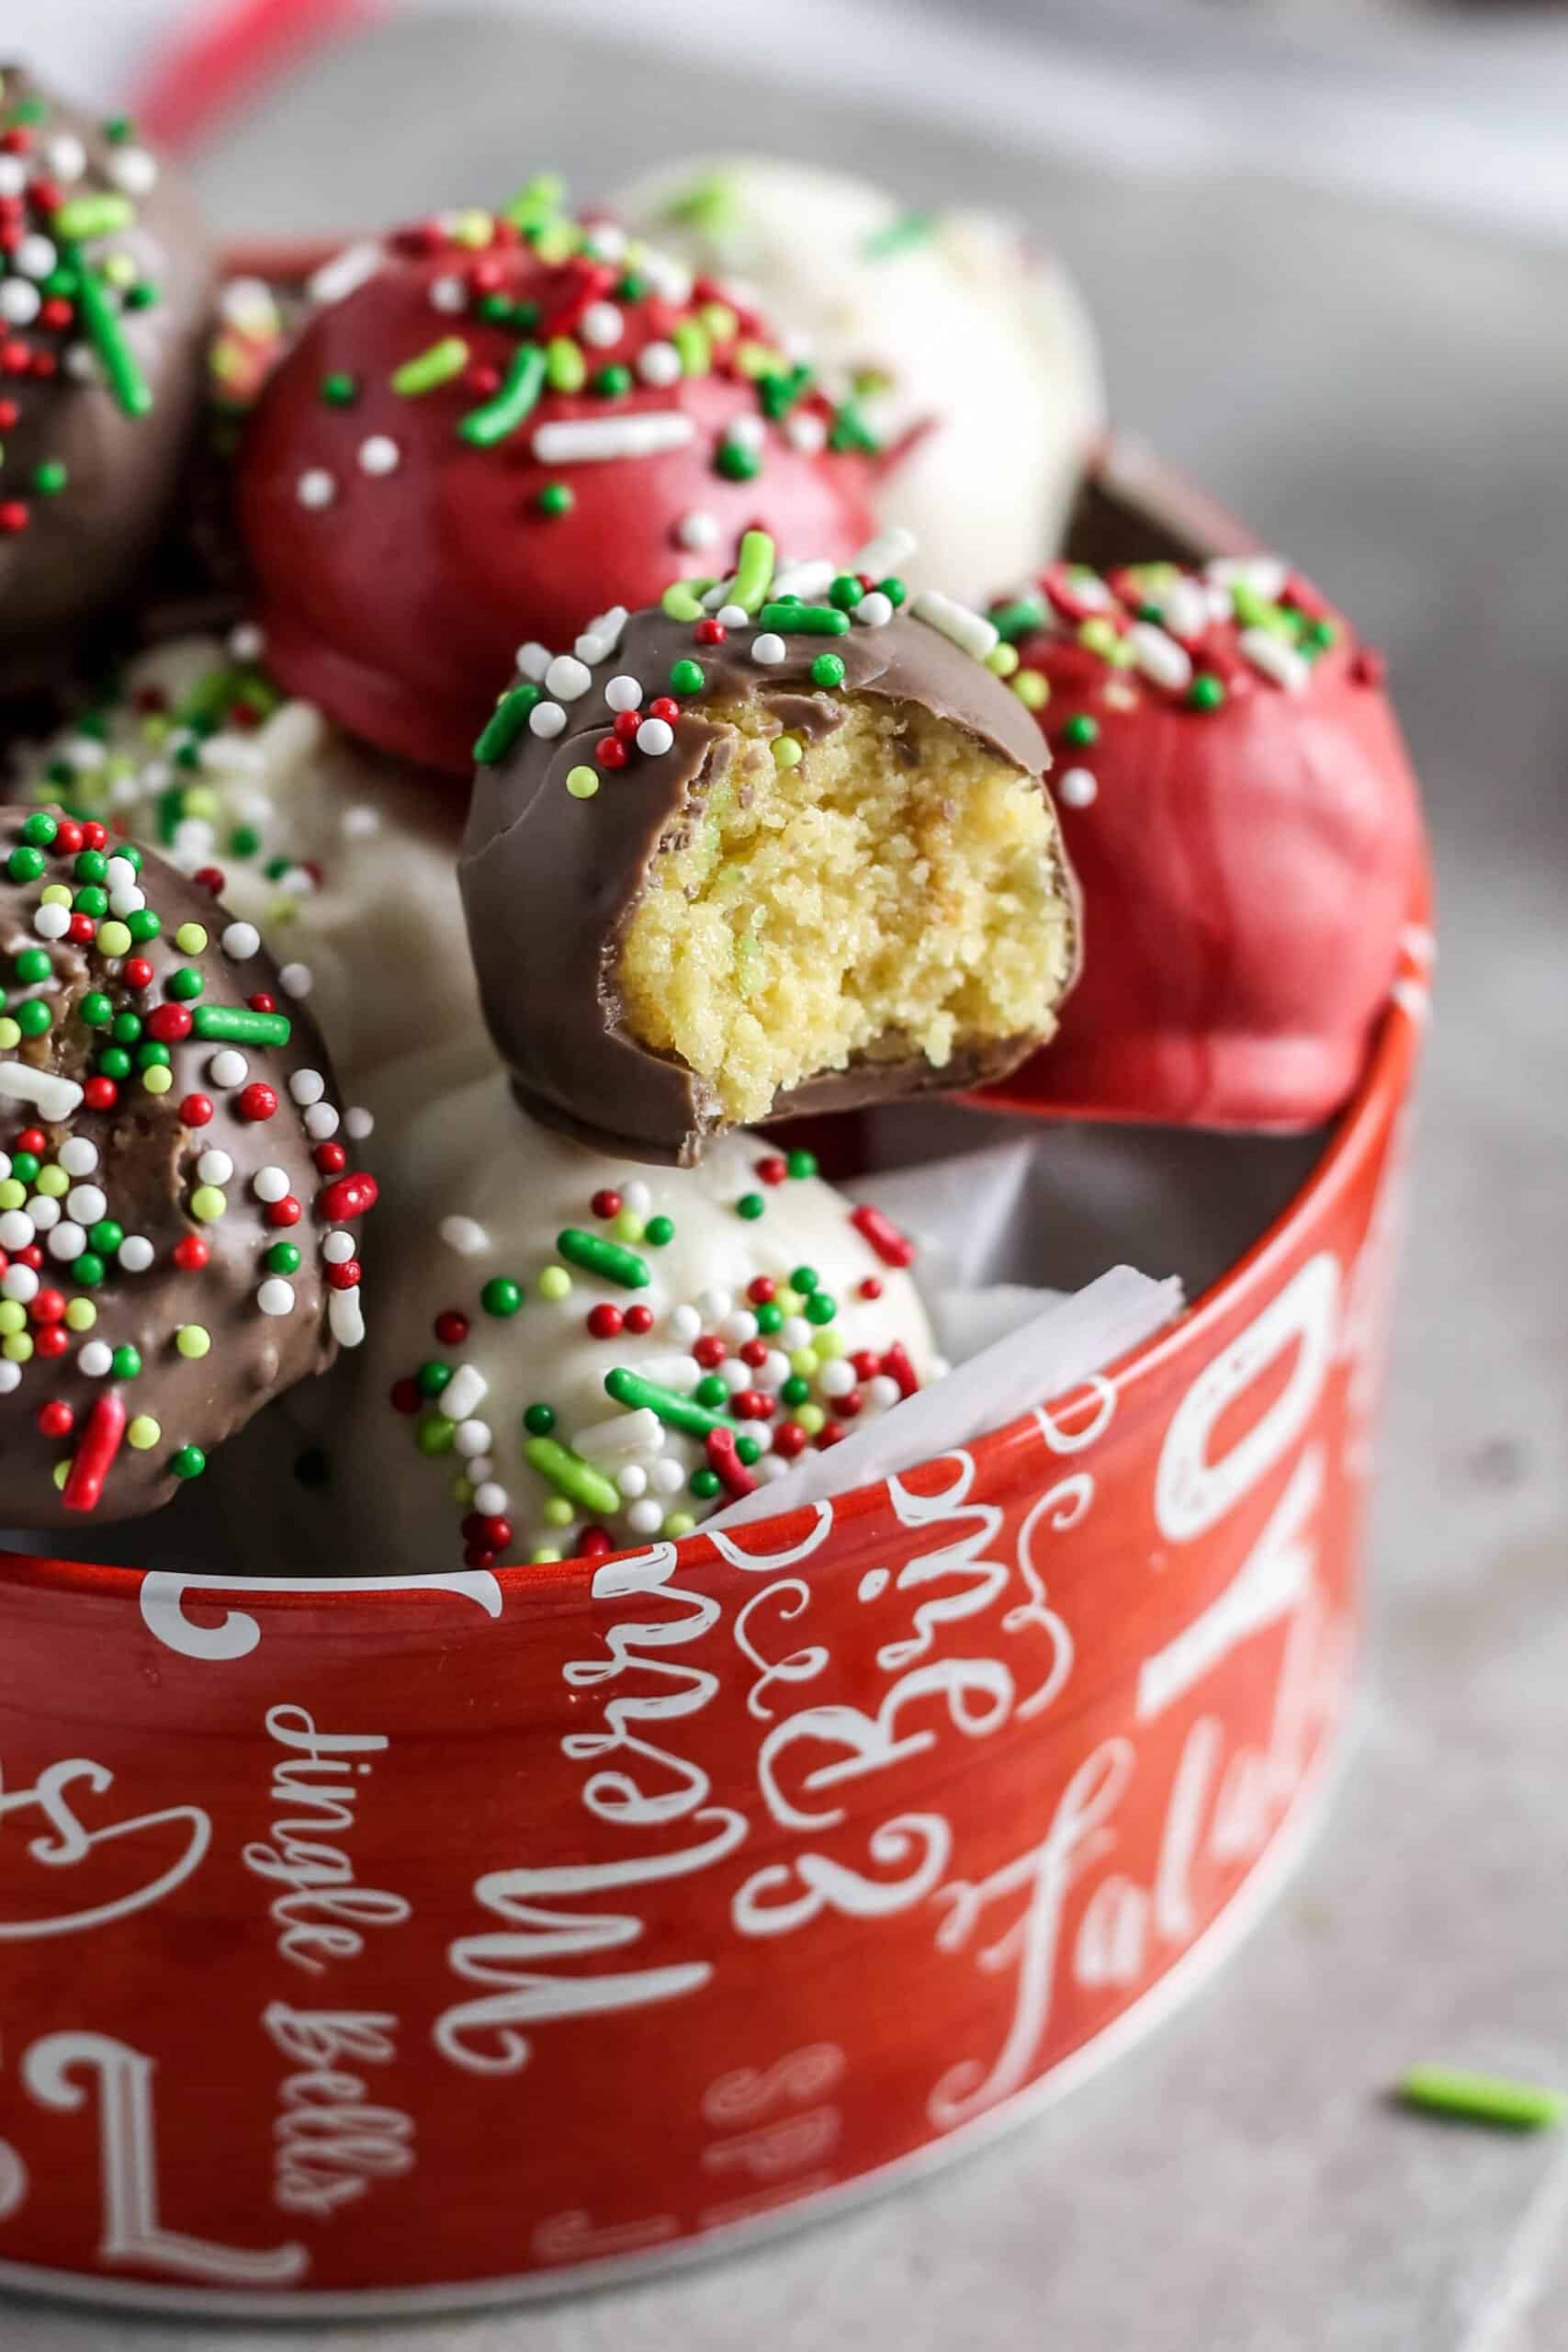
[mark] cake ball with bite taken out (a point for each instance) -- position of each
(1239, 807)
(490, 428)
(967, 356)
(783, 845)
(105, 281)
(580, 1353)
(179, 1202)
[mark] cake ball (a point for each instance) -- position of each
(103, 298)
(1238, 805)
(782, 845)
(489, 427)
(580, 1353)
(179, 1194)
(343, 857)
(968, 356)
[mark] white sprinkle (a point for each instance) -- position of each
(636, 1196)
(889, 551)
(132, 170)
(463, 1396)
(638, 1431)
(16, 1230)
(19, 1282)
(316, 487)
(795, 1331)
(10, 1376)
(808, 580)
(295, 979)
(214, 1167)
(449, 294)
(130, 898)
(768, 649)
(546, 719)
(248, 303)
(54, 1098)
(492, 1500)
(358, 1123)
(35, 256)
(77, 1156)
(589, 648)
(472, 1439)
(338, 278)
(734, 1374)
(713, 1306)
(745, 432)
(241, 941)
(1264, 574)
(464, 1235)
(773, 1369)
(685, 1323)
(660, 364)
(346, 1317)
(567, 678)
(13, 175)
(51, 922)
(87, 1203)
(632, 1481)
(969, 631)
(590, 440)
(66, 1243)
(96, 1359)
(379, 455)
(20, 301)
(732, 616)
(246, 641)
(655, 737)
(232, 1068)
(68, 158)
(1276, 660)
(624, 694)
(338, 1248)
(737, 1328)
(645, 1518)
(607, 628)
(360, 823)
(135, 1253)
(321, 1121)
(667, 1477)
(697, 529)
(805, 431)
(669, 278)
(601, 325)
(1185, 608)
(1077, 787)
(120, 874)
(874, 611)
(275, 1296)
(81, 363)
(534, 660)
(307, 1086)
(836, 1379)
(44, 1212)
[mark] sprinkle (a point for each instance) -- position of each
(275, 1296)
(1481, 2098)
(507, 721)
(971, 631)
(892, 1247)
(591, 440)
(1021, 617)
(193, 1341)
(143, 1433)
(594, 1255)
(435, 366)
(655, 736)
(567, 678)
(583, 783)
(565, 367)
(337, 278)
(1079, 788)
(697, 529)
(619, 1438)
(753, 572)
(240, 942)
(238, 1025)
(464, 1235)
(188, 1462)
(787, 752)
(495, 418)
(464, 1393)
(54, 1098)
(806, 583)
(1277, 660)
(768, 649)
(805, 620)
(94, 1456)
(379, 455)
(571, 1476)
(346, 1318)
(315, 487)
(827, 669)
(1032, 688)
(676, 1411)
(546, 719)
(93, 216)
(1206, 692)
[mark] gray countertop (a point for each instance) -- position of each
(1385, 397)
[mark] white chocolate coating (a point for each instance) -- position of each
(970, 328)
(367, 900)
(474, 1190)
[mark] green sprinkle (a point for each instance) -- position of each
(434, 1433)
(613, 382)
(905, 230)
(501, 1296)
(188, 1462)
(106, 1236)
(432, 1378)
(796, 1390)
(682, 601)
(801, 1163)
(1481, 2098)
(846, 591)
(50, 478)
(33, 964)
(571, 1477)
(827, 669)
(686, 677)
(25, 1166)
(184, 985)
(750, 1205)
(1254, 611)
(1081, 729)
(540, 1420)
(236, 1025)
(705, 1485)
(754, 570)
(283, 1258)
(340, 390)
(711, 1390)
(537, 201)
(25, 864)
(820, 1307)
(659, 1231)
(736, 462)
(126, 1361)
(506, 722)
(114, 1062)
(565, 367)
(494, 419)
(39, 830)
(850, 431)
(438, 364)
(127, 1028)
(555, 498)
(677, 1412)
(144, 925)
(92, 216)
(128, 385)
(805, 620)
(777, 395)
(1020, 618)
(33, 1018)
(608, 1259)
(1205, 693)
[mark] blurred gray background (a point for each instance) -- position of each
(1331, 283)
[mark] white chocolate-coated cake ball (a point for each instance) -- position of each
(343, 858)
(576, 1353)
(975, 350)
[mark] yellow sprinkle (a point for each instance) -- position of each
(786, 752)
(191, 939)
(805, 1362)
(557, 244)
(114, 939)
(558, 1512)
(208, 1203)
(789, 1302)
(10, 1035)
(544, 1556)
(80, 1314)
(52, 1182)
(13, 1193)
(55, 895)
(583, 783)
(1032, 688)
(119, 269)
(200, 800)
(720, 320)
(830, 1345)
(473, 228)
(13, 1315)
(17, 1348)
(679, 1523)
(626, 1226)
(462, 1492)
(554, 1282)
(192, 1341)
(811, 1417)
(157, 1080)
(1002, 660)
(1098, 634)
(143, 1433)
(62, 1470)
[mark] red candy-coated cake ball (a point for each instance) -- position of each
(1236, 800)
(493, 427)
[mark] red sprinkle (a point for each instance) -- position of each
(100, 1094)
(138, 972)
(610, 752)
(331, 1159)
(594, 1544)
(169, 1023)
(639, 1319)
(664, 706)
(101, 1440)
(286, 1211)
(208, 878)
(772, 1171)
(606, 1203)
(191, 1253)
(256, 1101)
(710, 1353)
(789, 1438)
(56, 1419)
(710, 632)
(52, 1341)
(346, 1273)
(723, 1457)
(405, 1397)
(262, 1002)
(94, 834)
(195, 1110)
(451, 1329)
(606, 1322)
(346, 1197)
(755, 1353)
(895, 1363)
(49, 1306)
(626, 724)
(870, 1288)
(892, 1247)
(762, 1289)
(32, 1140)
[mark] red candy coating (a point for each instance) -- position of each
(366, 516)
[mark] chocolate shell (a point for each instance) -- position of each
(550, 880)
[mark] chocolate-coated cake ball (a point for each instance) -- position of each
(104, 300)
(1239, 807)
(580, 1353)
(492, 425)
(781, 846)
(179, 1191)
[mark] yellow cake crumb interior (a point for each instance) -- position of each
(899, 889)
